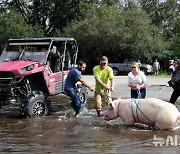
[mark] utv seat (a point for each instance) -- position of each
(55, 62)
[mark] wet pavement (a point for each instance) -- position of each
(62, 133)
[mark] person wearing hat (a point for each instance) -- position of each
(175, 82)
(104, 78)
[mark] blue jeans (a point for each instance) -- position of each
(134, 93)
(76, 103)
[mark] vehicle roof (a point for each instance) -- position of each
(42, 39)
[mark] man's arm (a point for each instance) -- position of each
(112, 85)
(106, 86)
(111, 80)
(102, 84)
(86, 84)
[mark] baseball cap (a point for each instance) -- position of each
(104, 59)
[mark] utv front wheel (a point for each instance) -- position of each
(38, 105)
(83, 98)
(82, 93)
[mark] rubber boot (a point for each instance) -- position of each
(98, 113)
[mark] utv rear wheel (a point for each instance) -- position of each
(38, 105)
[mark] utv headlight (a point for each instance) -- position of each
(27, 68)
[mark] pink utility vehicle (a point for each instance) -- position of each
(33, 69)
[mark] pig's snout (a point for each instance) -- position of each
(104, 115)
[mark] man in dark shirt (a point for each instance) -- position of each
(175, 82)
(73, 77)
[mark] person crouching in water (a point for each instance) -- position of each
(73, 77)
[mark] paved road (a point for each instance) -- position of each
(155, 88)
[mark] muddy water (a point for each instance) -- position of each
(62, 133)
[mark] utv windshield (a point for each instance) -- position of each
(8, 56)
(33, 51)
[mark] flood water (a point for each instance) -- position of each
(62, 133)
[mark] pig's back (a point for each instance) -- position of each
(158, 103)
(151, 105)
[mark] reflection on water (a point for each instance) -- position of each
(62, 133)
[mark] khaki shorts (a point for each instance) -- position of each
(99, 96)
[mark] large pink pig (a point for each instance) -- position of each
(151, 111)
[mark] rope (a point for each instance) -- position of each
(137, 108)
(106, 95)
(132, 110)
(139, 94)
(160, 92)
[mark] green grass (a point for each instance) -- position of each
(164, 73)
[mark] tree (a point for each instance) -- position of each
(118, 34)
(153, 9)
(171, 14)
(144, 39)
(93, 32)
(165, 14)
(51, 15)
(175, 47)
(12, 25)
(4, 4)
(54, 15)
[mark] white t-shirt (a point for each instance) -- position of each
(137, 80)
(156, 65)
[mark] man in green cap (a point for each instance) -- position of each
(104, 83)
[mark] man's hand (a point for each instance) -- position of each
(91, 89)
(106, 87)
(111, 89)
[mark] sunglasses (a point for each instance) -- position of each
(103, 63)
(133, 67)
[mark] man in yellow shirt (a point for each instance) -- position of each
(103, 75)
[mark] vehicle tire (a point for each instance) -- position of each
(38, 105)
(82, 93)
(143, 70)
(115, 71)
